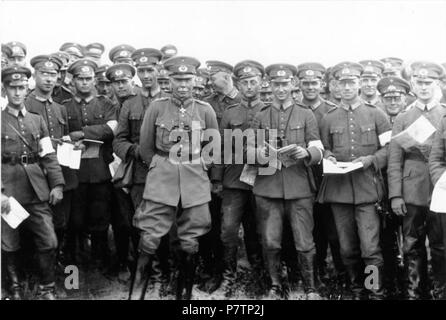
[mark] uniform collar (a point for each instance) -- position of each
(353, 105)
(42, 99)
(16, 112)
(314, 105)
(286, 105)
(182, 103)
(430, 105)
(87, 100)
(254, 102)
(147, 93)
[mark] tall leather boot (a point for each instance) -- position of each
(354, 273)
(273, 267)
(12, 272)
(141, 276)
(229, 271)
(60, 234)
(47, 286)
(307, 262)
(191, 264)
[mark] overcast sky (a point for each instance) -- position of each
(267, 31)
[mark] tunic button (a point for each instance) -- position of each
(353, 140)
(353, 132)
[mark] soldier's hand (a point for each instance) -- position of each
(332, 159)
(217, 188)
(399, 206)
(76, 135)
(78, 145)
(56, 195)
(299, 153)
(367, 161)
(6, 207)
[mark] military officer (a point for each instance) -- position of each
(26, 152)
(287, 194)
(199, 87)
(18, 53)
(333, 87)
(410, 187)
(310, 77)
(351, 133)
(40, 102)
(393, 91)
(369, 80)
(121, 54)
(238, 204)
(437, 167)
(94, 118)
(171, 182)
(103, 85)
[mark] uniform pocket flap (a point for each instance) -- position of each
(168, 125)
(367, 128)
(296, 126)
(337, 130)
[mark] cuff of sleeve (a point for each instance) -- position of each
(315, 156)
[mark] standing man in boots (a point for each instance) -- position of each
(238, 203)
(410, 186)
(287, 195)
(354, 132)
(40, 102)
(173, 183)
(26, 152)
(94, 118)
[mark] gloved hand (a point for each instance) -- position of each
(56, 195)
(399, 206)
(6, 207)
(76, 135)
(367, 161)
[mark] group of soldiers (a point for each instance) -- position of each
(168, 217)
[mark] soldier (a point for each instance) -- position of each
(103, 85)
(238, 204)
(18, 53)
(393, 91)
(296, 94)
(168, 51)
(310, 79)
(121, 54)
(94, 118)
(392, 67)
(163, 80)
(410, 187)
(351, 133)
(94, 51)
(333, 87)
(199, 87)
(126, 143)
(6, 52)
(211, 248)
(208, 90)
(120, 76)
(172, 183)
(55, 115)
(369, 80)
(437, 167)
(266, 94)
(287, 194)
(26, 152)
(62, 91)
(74, 50)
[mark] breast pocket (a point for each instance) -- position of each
(368, 135)
(99, 117)
(338, 135)
(297, 133)
(164, 128)
(10, 143)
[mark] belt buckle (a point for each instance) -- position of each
(24, 159)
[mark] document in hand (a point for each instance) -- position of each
(340, 167)
(438, 203)
(91, 148)
(67, 156)
(417, 133)
(283, 154)
(16, 215)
